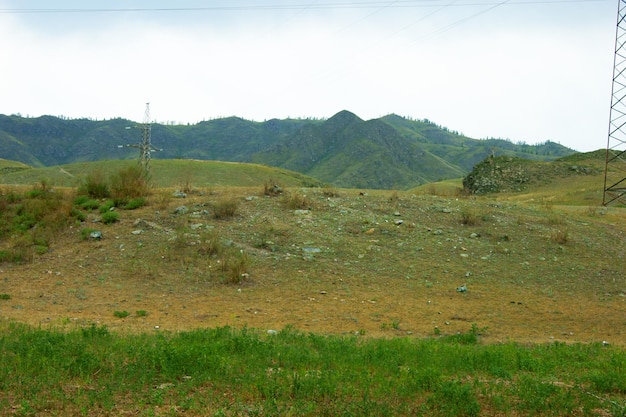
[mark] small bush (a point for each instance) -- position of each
(90, 205)
(78, 215)
(107, 206)
(121, 314)
(135, 203)
(210, 245)
(469, 217)
(95, 185)
(127, 184)
(85, 233)
(225, 209)
(110, 217)
(559, 236)
(141, 313)
(5, 296)
(296, 201)
(235, 268)
(272, 188)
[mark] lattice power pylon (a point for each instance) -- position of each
(145, 147)
(615, 169)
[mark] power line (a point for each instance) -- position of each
(299, 6)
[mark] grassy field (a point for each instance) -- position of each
(257, 300)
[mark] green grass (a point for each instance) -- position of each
(223, 371)
(165, 173)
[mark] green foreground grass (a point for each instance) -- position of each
(223, 371)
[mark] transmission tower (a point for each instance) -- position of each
(615, 168)
(145, 147)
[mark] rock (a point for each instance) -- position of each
(145, 224)
(272, 332)
(474, 235)
(311, 250)
(181, 210)
(96, 235)
(179, 194)
(136, 232)
(302, 212)
(462, 288)
(398, 222)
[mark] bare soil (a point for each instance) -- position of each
(372, 276)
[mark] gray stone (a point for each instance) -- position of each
(181, 210)
(96, 235)
(179, 194)
(311, 250)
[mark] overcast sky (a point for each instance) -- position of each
(526, 70)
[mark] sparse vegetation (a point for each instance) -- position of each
(296, 201)
(110, 217)
(271, 188)
(225, 208)
(368, 283)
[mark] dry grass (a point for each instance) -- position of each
(347, 266)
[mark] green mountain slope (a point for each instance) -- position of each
(177, 173)
(344, 150)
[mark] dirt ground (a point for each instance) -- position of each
(83, 282)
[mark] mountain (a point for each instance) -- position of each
(344, 150)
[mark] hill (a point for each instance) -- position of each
(344, 150)
(164, 173)
(481, 301)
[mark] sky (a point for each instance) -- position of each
(524, 70)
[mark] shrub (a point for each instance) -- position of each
(296, 201)
(5, 296)
(469, 217)
(121, 314)
(85, 233)
(226, 208)
(95, 185)
(107, 206)
(272, 188)
(90, 204)
(127, 184)
(235, 268)
(559, 236)
(135, 203)
(110, 217)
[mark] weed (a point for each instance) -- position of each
(272, 188)
(210, 245)
(235, 268)
(121, 314)
(454, 398)
(135, 203)
(127, 184)
(225, 208)
(296, 201)
(85, 233)
(329, 192)
(141, 313)
(5, 296)
(560, 236)
(110, 217)
(95, 185)
(469, 217)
